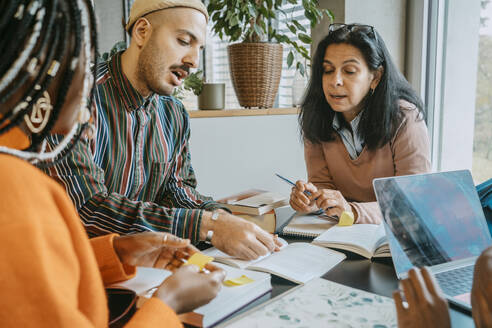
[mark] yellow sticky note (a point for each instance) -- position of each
(347, 219)
(199, 260)
(243, 280)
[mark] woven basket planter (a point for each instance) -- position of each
(255, 72)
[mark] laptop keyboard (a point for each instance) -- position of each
(457, 281)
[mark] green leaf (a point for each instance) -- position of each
(215, 17)
(304, 38)
(290, 59)
(294, 2)
(329, 14)
(292, 28)
(309, 15)
(299, 26)
(301, 69)
(234, 21)
(263, 11)
(263, 26)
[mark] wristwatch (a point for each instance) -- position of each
(210, 233)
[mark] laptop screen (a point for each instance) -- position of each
(432, 218)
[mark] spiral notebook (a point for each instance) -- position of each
(307, 226)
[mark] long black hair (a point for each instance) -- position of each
(37, 36)
(382, 114)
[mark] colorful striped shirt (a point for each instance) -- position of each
(135, 174)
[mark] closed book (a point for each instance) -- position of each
(254, 202)
(368, 240)
(272, 221)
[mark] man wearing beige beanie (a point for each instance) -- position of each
(135, 173)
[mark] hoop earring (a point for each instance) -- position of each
(40, 114)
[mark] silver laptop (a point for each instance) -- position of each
(435, 220)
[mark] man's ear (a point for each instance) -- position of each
(141, 31)
(377, 77)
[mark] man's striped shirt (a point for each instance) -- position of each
(135, 174)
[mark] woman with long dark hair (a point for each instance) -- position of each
(360, 120)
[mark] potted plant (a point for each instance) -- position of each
(210, 95)
(256, 61)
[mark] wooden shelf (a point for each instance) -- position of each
(242, 112)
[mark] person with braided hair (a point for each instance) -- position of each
(52, 274)
(135, 173)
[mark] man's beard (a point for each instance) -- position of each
(150, 70)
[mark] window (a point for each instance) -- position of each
(451, 51)
(482, 142)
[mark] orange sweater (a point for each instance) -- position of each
(330, 166)
(50, 271)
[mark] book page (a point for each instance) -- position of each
(222, 257)
(300, 262)
(353, 238)
(321, 303)
(145, 280)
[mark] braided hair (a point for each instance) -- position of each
(37, 36)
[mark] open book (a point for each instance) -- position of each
(228, 301)
(298, 262)
(320, 303)
(368, 240)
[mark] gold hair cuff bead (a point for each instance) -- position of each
(31, 67)
(20, 12)
(55, 65)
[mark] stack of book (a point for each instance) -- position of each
(268, 210)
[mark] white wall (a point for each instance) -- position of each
(387, 16)
(231, 154)
(109, 15)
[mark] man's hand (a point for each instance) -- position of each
(426, 305)
(481, 295)
(300, 201)
(153, 249)
(238, 237)
(189, 288)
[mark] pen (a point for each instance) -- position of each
(291, 183)
(320, 211)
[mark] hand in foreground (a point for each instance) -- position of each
(332, 202)
(188, 288)
(426, 306)
(481, 295)
(153, 249)
(301, 202)
(240, 238)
